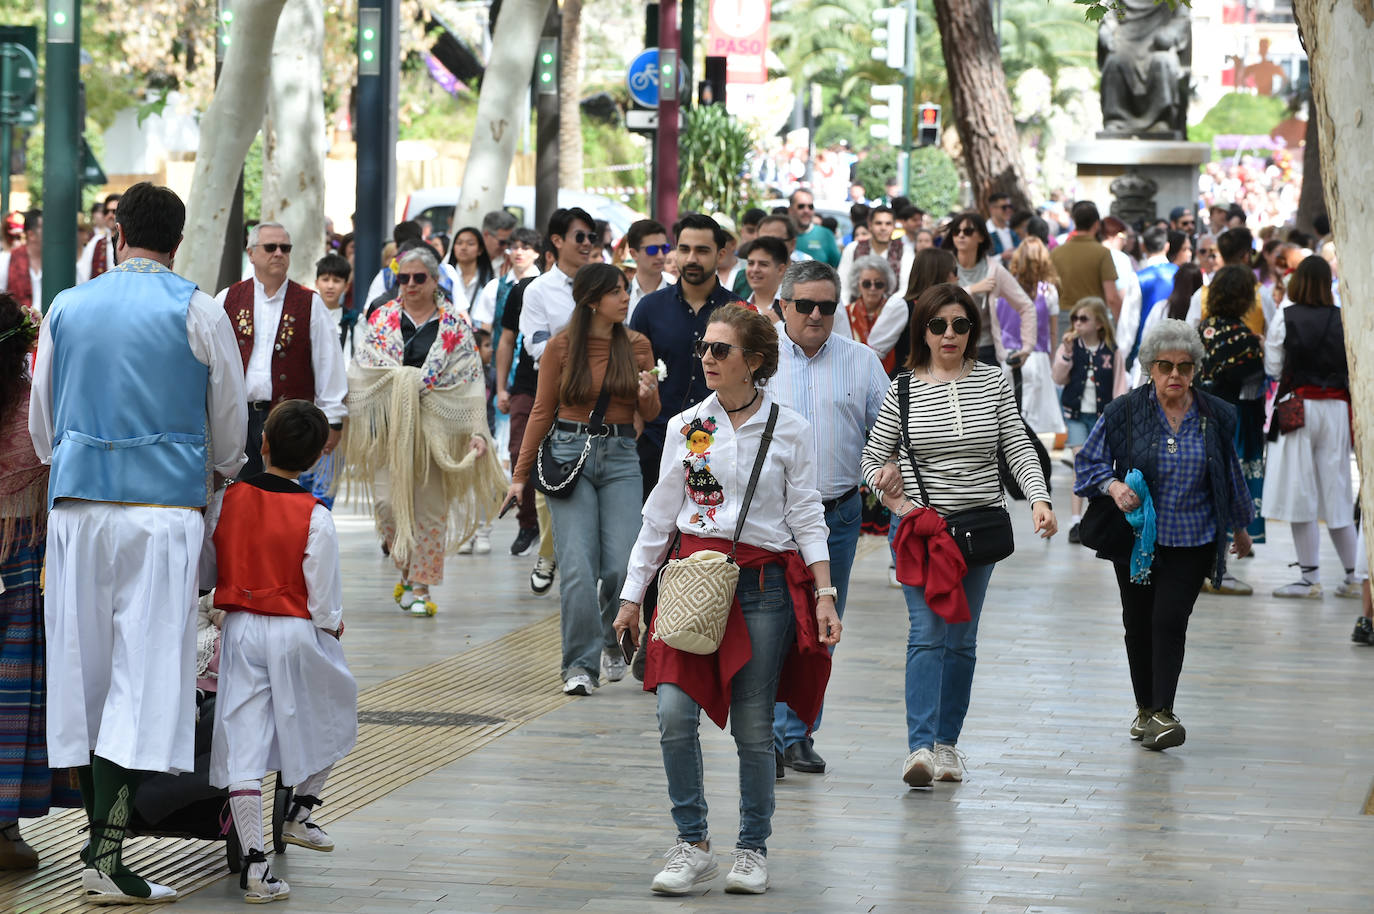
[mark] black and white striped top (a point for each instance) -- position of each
(955, 430)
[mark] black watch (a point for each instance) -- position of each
(336, 426)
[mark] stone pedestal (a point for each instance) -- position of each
(1172, 165)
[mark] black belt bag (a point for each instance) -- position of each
(558, 478)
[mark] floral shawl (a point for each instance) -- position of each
(23, 480)
(411, 422)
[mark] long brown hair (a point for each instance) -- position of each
(1031, 265)
(592, 282)
(929, 267)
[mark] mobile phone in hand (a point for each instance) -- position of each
(505, 509)
(627, 645)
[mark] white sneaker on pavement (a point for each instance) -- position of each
(481, 543)
(949, 763)
(687, 865)
(749, 875)
(613, 664)
(466, 548)
(579, 684)
(1300, 590)
(1352, 588)
(919, 768)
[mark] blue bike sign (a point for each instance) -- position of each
(642, 78)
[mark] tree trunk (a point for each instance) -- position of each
(982, 105)
(226, 131)
(293, 148)
(570, 98)
(1338, 37)
(1311, 203)
(507, 77)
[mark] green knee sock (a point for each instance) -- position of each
(112, 808)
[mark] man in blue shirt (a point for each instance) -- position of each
(674, 319)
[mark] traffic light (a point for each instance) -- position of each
(667, 74)
(61, 21)
(546, 67)
(888, 107)
(891, 36)
(928, 125)
(369, 41)
(226, 22)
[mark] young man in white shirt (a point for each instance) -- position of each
(765, 263)
(647, 242)
(899, 253)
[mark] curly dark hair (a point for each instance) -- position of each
(1232, 292)
(14, 352)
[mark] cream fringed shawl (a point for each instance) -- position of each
(414, 421)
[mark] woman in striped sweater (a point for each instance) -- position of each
(960, 412)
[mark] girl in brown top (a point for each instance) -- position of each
(595, 525)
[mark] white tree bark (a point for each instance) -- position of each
(226, 131)
(293, 148)
(1338, 35)
(508, 76)
(570, 97)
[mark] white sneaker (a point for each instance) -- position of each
(613, 664)
(892, 577)
(466, 548)
(541, 578)
(687, 866)
(949, 763)
(919, 768)
(481, 543)
(308, 835)
(749, 875)
(579, 684)
(1352, 588)
(100, 889)
(1300, 590)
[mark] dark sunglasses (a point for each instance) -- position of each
(272, 247)
(806, 306)
(580, 237)
(1185, 369)
(1207, 252)
(1006, 206)
(873, 284)
(653, 250)
(719, 351)
(938, 325)
(966, 230)
(1082, 318)
(804, 205)
(405, 279)
(1186, 223)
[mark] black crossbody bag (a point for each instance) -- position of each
(983, 535)
(558, 478)
(1104, 528)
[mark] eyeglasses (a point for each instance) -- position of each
(405, 279)
(1006, 206)
(806, 306)
(1082, 318)
(1207, 252)
(580, 237)
(938, 325)
(966, 230)
(1185, 369)
(873, 284)
(719, 351)
(804, 205)
(653, 250)
(1186, 224)
(272, 248)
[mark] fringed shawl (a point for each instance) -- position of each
(414, 421)
(23, 481)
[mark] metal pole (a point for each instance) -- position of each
(61, 147)
(370, 218)
(6, 137)
(546, 136)
(666, 152)
(909, 101)
(688, 37)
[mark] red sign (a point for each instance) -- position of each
(739, 33)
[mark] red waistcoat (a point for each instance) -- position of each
(260, 549)
(20, 282)
(99, 257)
(293, 372)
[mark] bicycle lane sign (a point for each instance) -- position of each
(642, 78)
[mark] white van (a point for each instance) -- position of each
(437, 204)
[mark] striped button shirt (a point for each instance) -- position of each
(955, 430)
(839, 391)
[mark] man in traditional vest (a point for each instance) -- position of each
(881, 225)
(98, 255)
(21, 268)
(138, 405)
(288, 346)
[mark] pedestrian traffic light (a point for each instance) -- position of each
(370, 41)
(61, 21)
(890, 37)
(226, 22)
(887, 107)
(667, 74)
(546, 67)
(928, 125)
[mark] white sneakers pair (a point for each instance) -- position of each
(1351, 588)
(943, 763)
(689, 865)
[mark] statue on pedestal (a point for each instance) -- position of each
(1145, 52)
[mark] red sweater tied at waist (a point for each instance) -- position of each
(1314, 392)
(928, 557)
(707, 678)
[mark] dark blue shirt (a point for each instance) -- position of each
(673, 329)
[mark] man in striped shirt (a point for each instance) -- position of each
(838, 385)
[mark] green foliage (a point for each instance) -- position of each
(252, 180)
(33, 161)
(874, 169)
(933, 180)
(605, 145)
(430, 113)
(1238, 112)
(837, 127)
(713, 155)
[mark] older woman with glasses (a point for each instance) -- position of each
(983, 277)
(1165, 453)
(872, 281)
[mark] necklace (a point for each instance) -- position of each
(930, 370)
(745, 406)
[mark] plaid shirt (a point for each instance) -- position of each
(1182, 500)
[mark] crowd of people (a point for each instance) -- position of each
(738, 398)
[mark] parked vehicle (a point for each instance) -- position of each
(437, 204)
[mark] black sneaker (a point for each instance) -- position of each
(1163, 731)
(1364, 631)
(524, 541)
(1073, 534)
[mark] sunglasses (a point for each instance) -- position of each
(804, 205)
(873, 284)
(966, 230)
(1186, 223)
(1185, 369)
(719, 351)
(1207, 252)
(272, 248)
(405, 279)
(1082, 318)
(653, 250)
(580, 237)
(1006, 206)
(938, 325)
(806, 306)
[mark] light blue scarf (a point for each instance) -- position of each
(1142, 519)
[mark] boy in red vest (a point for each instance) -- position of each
(286, 701)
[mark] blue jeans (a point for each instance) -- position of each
(939, 662)
(844, 522)
(772, 629)
(594, 530)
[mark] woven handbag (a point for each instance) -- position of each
(695, 593)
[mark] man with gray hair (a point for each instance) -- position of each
(838, 385)
(288, 344)
(497, 226)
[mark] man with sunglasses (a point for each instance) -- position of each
(288, 344)
(549, 299)
(812, 237)
(1004, 240)
(838, 385)
(647, 242)
(882, 223)
(1182, 219)
(497, 227)
(98, 255)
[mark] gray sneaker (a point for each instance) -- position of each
(1142, 719)
(613, 665)
(919, 768)
(949, 763)
(1163, 731)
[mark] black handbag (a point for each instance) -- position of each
(983, 535)
(1104, 527)
(558, 478)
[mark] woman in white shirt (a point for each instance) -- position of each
(784, 608)
(468, 266)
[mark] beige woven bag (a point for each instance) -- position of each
(695, 593)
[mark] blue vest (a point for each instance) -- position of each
(128, 396)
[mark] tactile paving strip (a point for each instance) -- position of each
(442, 712)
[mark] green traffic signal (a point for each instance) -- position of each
(59, 18)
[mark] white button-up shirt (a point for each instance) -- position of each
(326, 355)
(637, 292)
(548, 308)
(838, 391)
(87, 261)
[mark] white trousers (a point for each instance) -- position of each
(1307, 471)
(121, 635)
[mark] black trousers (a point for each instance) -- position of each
(253, 446)
(650, 455)
(1156, 618)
